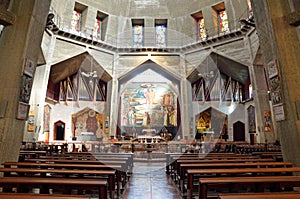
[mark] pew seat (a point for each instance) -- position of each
(24, 184)
(258, 183)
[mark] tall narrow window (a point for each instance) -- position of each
(250, 91)
(202, 30)
(160, 32)
(79, 16)
(138, 33)
(99, 27)
(1, 29)
(249, 5)
(223, 22)
(220, 18)
(76, 21)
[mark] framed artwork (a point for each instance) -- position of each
(47, 110)
(267, 123)
(272, 68)
(30, 125)
(29, 67)
(279, 113)
(275, 83)
(25, 88)
(276, 97)
(23, 109)
(251, 119)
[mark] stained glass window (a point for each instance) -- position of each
(138, 35)
(250, 91)
(160, 35)
(97, 29)
(249, 5)
(223, 22)
(76, 21)
(202, 30)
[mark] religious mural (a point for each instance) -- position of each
(148, 105)
(212, 122)
(87, 123)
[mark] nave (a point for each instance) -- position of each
(150, 181)
(247, 173)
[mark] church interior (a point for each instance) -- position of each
(149, 99)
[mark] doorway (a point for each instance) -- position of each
(59, 130)
(239, 131)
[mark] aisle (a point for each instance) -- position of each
(149, 181)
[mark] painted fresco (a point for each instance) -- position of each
(149, 105)
(88, 121)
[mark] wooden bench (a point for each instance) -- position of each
(192, 173)
(102, 159)
(265, 195)
(184, 167)
(171, 159)
(118, 168)
(259, 183)
(176, 170)
(275, 155)
(109, 174)
(40, 196)
(64, 184)
(124, 164)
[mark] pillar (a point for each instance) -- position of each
(18, 41)
(279, 41)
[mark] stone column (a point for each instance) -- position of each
(115, 100)
(19, 41)
(279, 41)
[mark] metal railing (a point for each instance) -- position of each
(174, 38)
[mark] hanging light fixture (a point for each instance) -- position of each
(206, 75)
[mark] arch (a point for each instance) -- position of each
(211, 120)
(147, 101)
(59, 130)
(238, 131)
(88, 125)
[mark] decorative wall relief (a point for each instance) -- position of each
(276, 90)
(88, 121)
(30, 121)
(251, 119)
(272, 68)
(47, 110)
(267, 121)
(29, 68)
(23, 109)
(25, 88)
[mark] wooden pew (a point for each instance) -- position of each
(265, 195)
(66, 173)
(184, 167)
(275, 155)
(65, 184)
(124, 164)
(30, 154)
(89, 155)
(41, 196)
(177, 163)
(172, 157)
(102, 159)
(235, 172)
(258, 182)
(117, 168)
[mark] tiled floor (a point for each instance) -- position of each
(149, 181)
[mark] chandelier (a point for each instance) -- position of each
(91, 75)
(207, 75)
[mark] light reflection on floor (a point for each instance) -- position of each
(149, 181)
